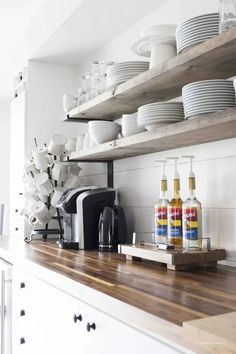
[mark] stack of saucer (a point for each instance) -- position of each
(155, 115)
(196, 30)
(207, 96)
(121, 72)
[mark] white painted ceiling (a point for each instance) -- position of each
(92, 25)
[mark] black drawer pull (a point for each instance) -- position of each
(77, 318)
(16, 229)
(22, 285)
(16, 211)
(22, 340)
(89, 326)
(22, 312)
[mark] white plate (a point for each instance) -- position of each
(195, 37)
(199, 19)
(194, 40)
(162, 104)
(209, 83)
(204, 26)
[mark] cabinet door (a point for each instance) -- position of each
(56, 322)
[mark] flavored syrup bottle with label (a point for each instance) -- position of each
(192, 214)
(161, 209)
(174, 211)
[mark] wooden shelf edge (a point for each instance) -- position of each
(202, 129)
(212, 59)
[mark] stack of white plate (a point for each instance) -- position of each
(155, 115)
(121, 72)
(207, 96)
(196, 30)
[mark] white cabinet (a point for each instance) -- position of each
(47, 320)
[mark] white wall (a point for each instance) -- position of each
(137, 179)
(4, 157)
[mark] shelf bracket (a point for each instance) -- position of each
(110, 174)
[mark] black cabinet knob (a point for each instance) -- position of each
(22, 340)
(16, 210)
(20, 193)
(22, 285)
(16, 229)
(22, 312)
(77, 318)
(89, 326)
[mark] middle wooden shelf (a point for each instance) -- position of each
(200, 129)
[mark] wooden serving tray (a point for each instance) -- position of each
(175, 259)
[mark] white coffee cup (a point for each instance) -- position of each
(56, 196)
(30, 172)
(74, 169)
(40, 214)
(80, 142)
(60, 171)
(73, 181)
(43, 183)
(129, 125)
(57, 145)
(41, 159)
(71, 144)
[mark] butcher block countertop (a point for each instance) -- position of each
(176, 297)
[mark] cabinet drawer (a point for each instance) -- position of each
(17, 228)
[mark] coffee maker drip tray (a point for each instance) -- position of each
(68, 245)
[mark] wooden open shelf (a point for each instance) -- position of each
(201, 129)
(213, 59)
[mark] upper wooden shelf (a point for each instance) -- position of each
(201, 129)
(212, 59)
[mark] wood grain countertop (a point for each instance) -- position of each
(177, 297)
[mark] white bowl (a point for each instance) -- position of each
(103, 131)
(69, 102)
(129, 125)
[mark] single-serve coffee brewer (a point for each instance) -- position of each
(81, 209)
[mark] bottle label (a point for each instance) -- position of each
(190, 223)
(161, 221)
(175, 222)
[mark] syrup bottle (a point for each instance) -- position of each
(174, 211)
(160, 230)
(192, 214)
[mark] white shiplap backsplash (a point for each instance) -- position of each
(137, 180)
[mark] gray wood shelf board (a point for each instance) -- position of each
(215, 58)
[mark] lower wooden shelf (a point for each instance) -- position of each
(175, 260)
(201, 129)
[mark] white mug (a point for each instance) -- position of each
(30, 172)
(80, 142)
(57, 145)
(70, 145)
(74, 169)
(40, 214)
(73, 181)
(56, 196)
(41, 159)
(43, 183)
(60, 171)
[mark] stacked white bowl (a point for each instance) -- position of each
(155, 115)
(121, 72)
(196, 30)
(207, 96)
